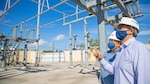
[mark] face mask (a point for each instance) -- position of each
(111, 45)
(121, 34)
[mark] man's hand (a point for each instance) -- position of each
(97, 54)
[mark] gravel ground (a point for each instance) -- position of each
(50, 73)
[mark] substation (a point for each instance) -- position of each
(9, 45)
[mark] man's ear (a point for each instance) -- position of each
(131, 32)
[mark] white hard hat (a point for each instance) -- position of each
(129, 21)
(113, 36)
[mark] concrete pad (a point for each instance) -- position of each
(50, 73)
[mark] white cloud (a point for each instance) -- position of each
(146, 32)
(41, 42)
(59, 37)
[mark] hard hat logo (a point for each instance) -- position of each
(134, 22)
(113, 36)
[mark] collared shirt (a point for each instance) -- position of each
(131, 65)
(106, 77)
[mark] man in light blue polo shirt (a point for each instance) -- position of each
(110, 55)
(131, 65)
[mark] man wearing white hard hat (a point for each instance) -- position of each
(110, 55)
(132, 63)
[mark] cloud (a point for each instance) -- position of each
(41, 42)
(146, 32)
(59, 37)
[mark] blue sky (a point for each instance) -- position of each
(57, 33)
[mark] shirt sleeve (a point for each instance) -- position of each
(107, 66)
(141, 65)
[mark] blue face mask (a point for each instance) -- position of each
(121, 34)
(111, 45)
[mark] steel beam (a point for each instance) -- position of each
(121, 5)
(50, 8)
(72, 6)
(65, 16)
(25, 54)
(38, 34)
(137, 6)
(75, 38)
(7, 8)
(9, 38)
(86, 43)
(81, 56)
(4, 54)
(101, 29)
(14, 32)
(79, 19)
(70, 46)
(45, 10)
(83, 4)
(115, 5)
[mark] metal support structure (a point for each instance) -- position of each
(86, 43)
(122, 7)
(14, 33)
(101, 28)
(8, 6)
(83, 3)
(131, 8)
(79, 19)
(17, 56)
(38, 34)
(4, 54)
(6, 40)
(91, 7)
(31, 33)
(70, 46)
(88, 40)
(16, 44)
(25, 49)
(21, 29)
(26, 31)
(95, 7)
(25, 54)
(77, 12)
(81, 56)
(75, 46)
(42, 12)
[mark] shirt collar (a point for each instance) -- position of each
(109, 51)
(128, 42)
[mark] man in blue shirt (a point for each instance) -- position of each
(131, 65)
(110, 55)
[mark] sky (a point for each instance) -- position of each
(57, 34)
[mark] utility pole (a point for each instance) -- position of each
(88, 40)
(70, 46)
(86, 44)
(38, 34)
